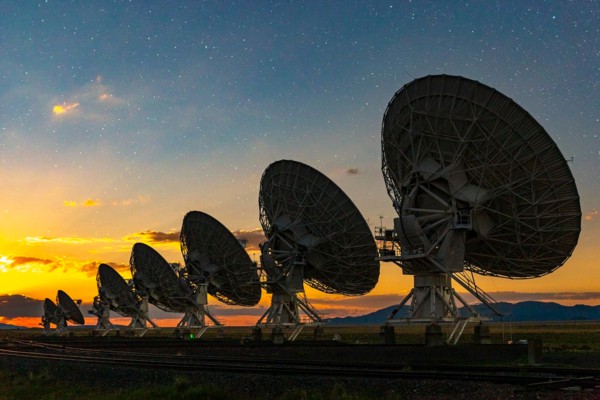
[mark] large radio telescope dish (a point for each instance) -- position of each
(315, 234)
(213, 255)
(299, 206)
(477, 181)
(115, 290)
(69, 308)
(154, 276)
(479, 186)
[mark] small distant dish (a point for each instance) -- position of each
(52, 315)
(155, 277)
(157, 280)
(58, 314)
(115, 294)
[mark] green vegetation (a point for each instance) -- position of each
(45, 386)
(555, 336)
(564, 343)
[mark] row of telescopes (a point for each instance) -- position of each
(314, 234)
(477, 183)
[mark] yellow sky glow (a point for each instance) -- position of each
(60, 109)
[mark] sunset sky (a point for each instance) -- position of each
(117, 118)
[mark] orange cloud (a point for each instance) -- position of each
(91, 203)
(60, 109)
(110, 99)
(86, 203)
(25, 264)
(66, 240)
(29, 264)
(27, 260)
(129, 202)
(591, 215)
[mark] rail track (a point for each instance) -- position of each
(525, 376)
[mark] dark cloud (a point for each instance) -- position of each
(16, 305)
(352, 171)
(252, 237)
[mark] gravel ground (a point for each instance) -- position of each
(275, 386)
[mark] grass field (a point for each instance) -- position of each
(555, 336)
(47, 386)
(564, 343)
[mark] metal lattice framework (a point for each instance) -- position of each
(307, 218)
(69, 309)
(168, 290)
(113, 289)
(476, 181)
(52, 314)
(154, 276)
(213, 255)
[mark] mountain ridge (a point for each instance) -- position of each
(9, 326)
(526, 311)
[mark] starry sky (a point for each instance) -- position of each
(116, 118)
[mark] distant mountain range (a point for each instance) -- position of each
(517, 312)
(9, 326)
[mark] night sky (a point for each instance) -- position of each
(116, 118)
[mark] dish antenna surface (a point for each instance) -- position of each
(69, 308)
(53, 315)
(115, 294)
(155, 278)
(215, 257)
(58, 314)
(479, 186)
(315, 234)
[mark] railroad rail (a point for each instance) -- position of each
(527, 376)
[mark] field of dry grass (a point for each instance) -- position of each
(555, 336)
(564, 344)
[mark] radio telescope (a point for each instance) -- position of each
(58, 314)
(53, 315)
(215, 258)
(115, 294)
(315, 234)
(479, 187)
(154, 277)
